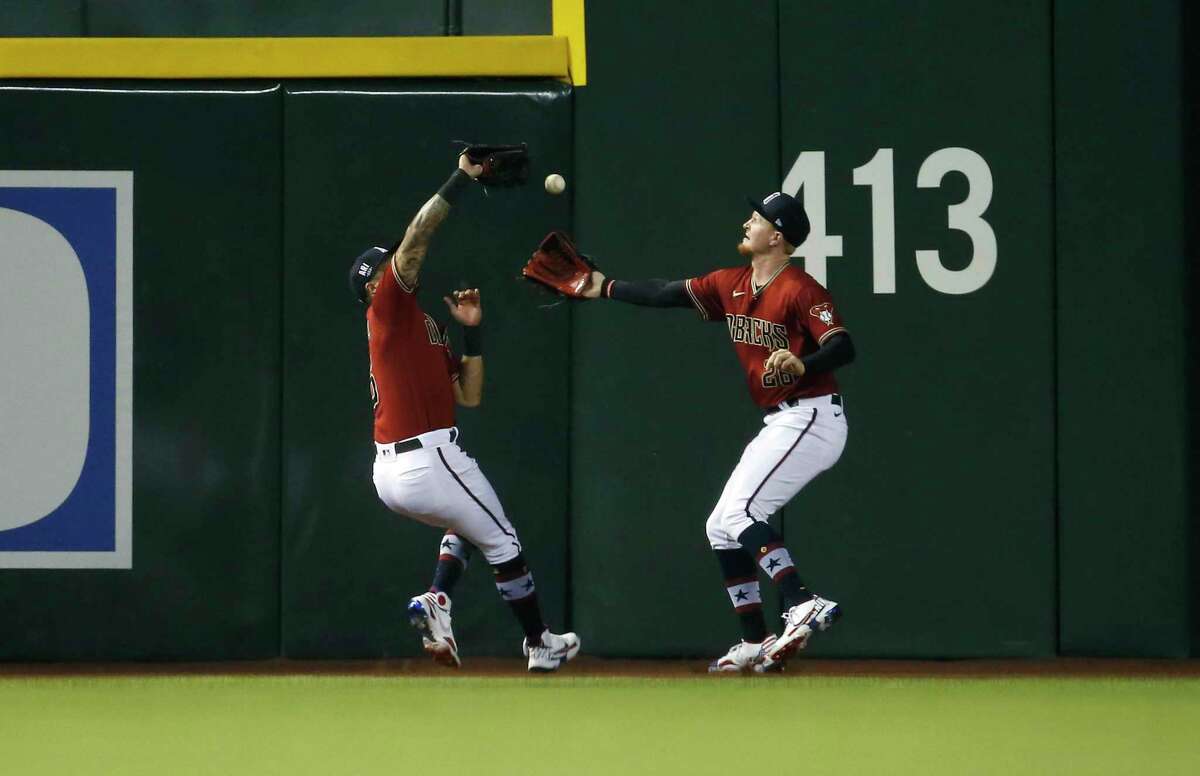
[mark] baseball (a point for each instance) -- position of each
(555, 184)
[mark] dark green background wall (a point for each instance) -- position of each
(256, 526)
(664, 198)
(938, 528)
(949, 471)
(359, 160)
(1003, 491)
(937, 417)
(1124, 456)
(248, 18)
(206, 365)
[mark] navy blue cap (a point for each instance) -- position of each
(363, 268)
(786, 213)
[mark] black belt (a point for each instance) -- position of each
(414, 443)
(834, 398)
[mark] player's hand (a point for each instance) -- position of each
(465, 307)
(784, 360)
(594, 286)
(464, 164)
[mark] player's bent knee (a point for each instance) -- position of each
(732, 523)
(712, 528)
(718, 537)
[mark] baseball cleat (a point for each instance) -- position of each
(429, 614)
(554, 650)
(800, 622)
(743, 656)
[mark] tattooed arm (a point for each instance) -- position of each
(411, 253)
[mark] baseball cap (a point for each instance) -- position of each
(786, 213)
(363, 268)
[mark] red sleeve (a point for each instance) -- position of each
(396, 275)
(705, 293)
(818, 314)
(392, 294)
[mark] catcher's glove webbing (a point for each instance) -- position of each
(557, 265)
(503, 165)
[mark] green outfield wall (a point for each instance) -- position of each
(647, 469)
(359, 160)
(998, 197)
(989, 500)
(947, 482)
(236, 18)
(1124, 454)
(256, 527)
(949, 475)
(206, 371)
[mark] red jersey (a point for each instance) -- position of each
(790, 311)
(412, 369)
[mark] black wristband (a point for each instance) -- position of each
(472, 341)
(454, 186)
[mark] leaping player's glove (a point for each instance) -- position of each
(503, 165)
(557, 265)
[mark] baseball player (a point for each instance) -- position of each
(789, 338)
(420, 471)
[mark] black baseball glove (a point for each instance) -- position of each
(503, 165)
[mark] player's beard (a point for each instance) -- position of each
(744, 249)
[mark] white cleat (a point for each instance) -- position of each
(743, 656)
(554, 650)
(800, 622)
(429, 614)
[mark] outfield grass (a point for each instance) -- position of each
(563, 725)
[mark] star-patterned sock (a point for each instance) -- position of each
(773, 558)
(515, 583)
(453, 556)
(741, 583)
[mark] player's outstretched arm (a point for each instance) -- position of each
(411, 253)
(465, 308)
(647, 293)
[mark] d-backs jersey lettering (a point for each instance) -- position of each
(790, 311)
(412, 369)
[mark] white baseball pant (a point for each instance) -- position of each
(440, 485)
(797, 442)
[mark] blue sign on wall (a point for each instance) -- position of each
(66, 355)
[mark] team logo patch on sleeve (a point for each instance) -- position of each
(822, 312)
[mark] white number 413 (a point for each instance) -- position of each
(808, 174)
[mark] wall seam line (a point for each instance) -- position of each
(1054, 336)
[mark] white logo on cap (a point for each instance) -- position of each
(364, 269)
(778, 222)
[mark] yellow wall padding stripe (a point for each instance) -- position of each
(444, 57)
(569, 24)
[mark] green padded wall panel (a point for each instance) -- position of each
(249, 18)
(938, 418)
(21, 18)
(666, 153)
(360, 160)
(506, 17)
(937, 528)
(206, 226)
(1122, 277)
